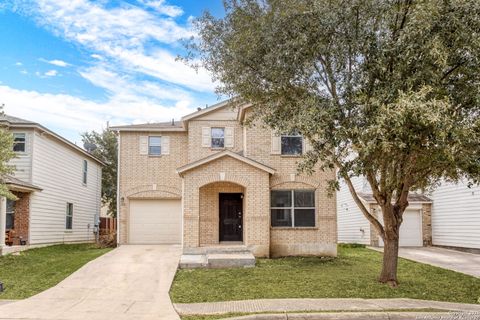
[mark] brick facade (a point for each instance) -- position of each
(22, 217)
(144, 177)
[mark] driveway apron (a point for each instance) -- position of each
(130, 282)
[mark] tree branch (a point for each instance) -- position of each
(360, 204)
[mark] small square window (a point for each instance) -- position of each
(19, 142)
(292, 144)
(69, 217)
(218, 138)
(154, 146)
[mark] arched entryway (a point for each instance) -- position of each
(221, 213)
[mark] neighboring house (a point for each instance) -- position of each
(209, 181)
(450, 216)
(57, 185)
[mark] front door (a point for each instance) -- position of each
(231, 216)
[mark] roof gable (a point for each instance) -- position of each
(222, 154)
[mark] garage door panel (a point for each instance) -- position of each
(155, 222)
(410, 230)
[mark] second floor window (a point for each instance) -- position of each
(19, 142)
(218, 137)
(154, 146)
(69, 217)
(291, 144)
(85, 171)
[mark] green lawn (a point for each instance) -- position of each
(36, 270)
(352, 275)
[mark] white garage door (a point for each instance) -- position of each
(410, 230)
(155, 222)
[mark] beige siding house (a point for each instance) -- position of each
(210, 181)
(57, 185)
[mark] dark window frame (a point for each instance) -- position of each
(292, 209)
(291, 136)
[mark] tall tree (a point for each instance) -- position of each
(103, 145)
(386, 89)
(6, 154)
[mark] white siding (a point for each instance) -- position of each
(23, 161)
(57, 169)
(350, 219)
(456, 216)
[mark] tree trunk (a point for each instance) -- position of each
(390, 261)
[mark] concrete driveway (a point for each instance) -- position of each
(463, 262)
(130, 282)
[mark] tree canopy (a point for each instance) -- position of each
(103, 145)
(6, 154)
(385, 89)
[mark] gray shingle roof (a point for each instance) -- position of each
(154, 125)
(12, 181)
(412, 197)
(14, 120)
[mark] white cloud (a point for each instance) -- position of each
(58, 63)
(23, 71)
(96, 56)
(162, 8)
(51, 73)
(19, 64)
(74, 115)
(122, 34)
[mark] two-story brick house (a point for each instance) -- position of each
(211, 180)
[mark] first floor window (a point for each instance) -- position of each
(218, 137)
(69, 220)
(154, 146)
(292, 208)
(19, 140)
(10, 223)
(292, 144)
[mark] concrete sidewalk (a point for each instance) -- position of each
(332, 305)
(130, 282)
(463, 262)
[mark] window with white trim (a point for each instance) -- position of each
(292, 208)
(19, 142)
(154, 145)
(218, 137)
(85, 172)
(291, 144)
(69, 216)
(10, 223)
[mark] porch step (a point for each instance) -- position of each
(217, 260)
(230, 260)
(220, 249)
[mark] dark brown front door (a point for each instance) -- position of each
(231, 216)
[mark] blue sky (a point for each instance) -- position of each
(73, 65)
